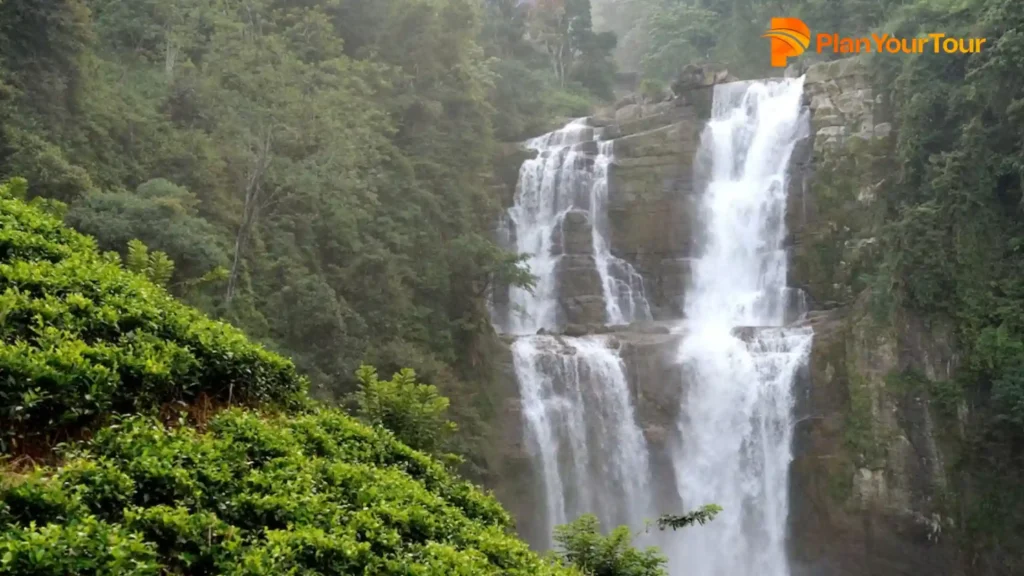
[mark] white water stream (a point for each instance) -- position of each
(582, 431)
(736, 423)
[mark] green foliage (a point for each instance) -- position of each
(564, 28)
(83, 546)
(678, 33)
(314, 494)
(699, 517)
(162, 215)
(570, 104)
(45, 165)
(659, 37)
(652, 90)
(156, 267)
(415, 413)
(318, 172)
(82, 338)
(581, 544)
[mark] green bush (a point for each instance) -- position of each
(415, 413)
(315, 494)
(582, 545)
(80, 338)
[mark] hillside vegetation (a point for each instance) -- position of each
(294, 488)
(81, 338)
(315, 494)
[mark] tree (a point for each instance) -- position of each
(163, 216)
(700, 517)
(155, 266)
(565, 29)
(677, 33)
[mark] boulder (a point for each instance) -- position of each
(693, 76)
(574, 235)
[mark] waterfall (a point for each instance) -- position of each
(735, 426)
(737, 355)
(592, 455)
(586, 446)
(568, 176)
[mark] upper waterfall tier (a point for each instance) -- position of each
(560, 219)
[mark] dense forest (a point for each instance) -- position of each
(316, 172)
(320, 174)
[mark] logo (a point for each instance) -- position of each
(790, 37)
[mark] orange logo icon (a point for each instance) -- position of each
(790, 37)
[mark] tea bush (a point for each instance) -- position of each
(81, 338)
(314, 494)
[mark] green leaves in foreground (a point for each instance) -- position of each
(317, 494)
(581, 545)
(415, 413)
(698, 517)
(80, 338)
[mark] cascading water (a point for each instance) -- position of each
(735, 426)
(581, 430)
(570, 173)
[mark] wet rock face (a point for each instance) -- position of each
(575, 235)
(695, 76)
(869, 472)
(832, 214)
(651, 199)
(870, 479)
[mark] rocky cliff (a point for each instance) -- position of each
(870, 488)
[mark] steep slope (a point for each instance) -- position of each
(92, 350)
(316, 494)
(82, 338)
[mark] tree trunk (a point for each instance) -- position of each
(250, 209)
(170, 54)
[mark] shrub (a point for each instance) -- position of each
(415, 413)
(652, 90)
(80, 338)
(314, 494)
(581, 544)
